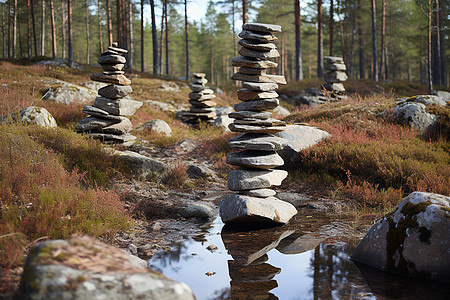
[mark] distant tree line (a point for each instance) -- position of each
(378, 39)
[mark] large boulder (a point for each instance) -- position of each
(83, 268)
(144, 167)
(38, 116)
(158, 126)
(413, 240)
(66, 93)
(59, 62)
(299, 137)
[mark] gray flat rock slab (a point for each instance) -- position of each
(259, 54)
(250, 114)
(199, 75)
(201, 96)
(202, 104)
(117, 79)
(113, 138)
(335, 76)
(333, 59)
(252, 71)
(112, 59)
(241, 61)
(97, 112)
(260, 78)
(338, 87)
(113, 67)
(261, 193)
(117, 49)
(120, 107)
(260, 86)
(197, 87)
(113, 72)
(257, 105)
(255, 159)
(255, 129)
(202, 81)
(94, 124)
(259, 122)
(258, 36)
(246, 94)
(240, 208)
(109, 52)
(115, 91)
(202, 109)
(254, 45)
(123, 127)
(334, 67)
(262, 27)
(264, 142)
(251, 179)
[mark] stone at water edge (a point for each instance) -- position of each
(241, 208)
(38, 116)
(264, 142)
(414, 240)
(115, 91)
(122, 107)
(255, 159)
(251, 179)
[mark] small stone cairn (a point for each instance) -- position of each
(202, 109)
(334, 76)
(107, 117)
(255, 201)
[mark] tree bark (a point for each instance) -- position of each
(108, 13)
(430, 80)
(63, 23)
(43, 29)
(374, 41)
(3, 32)
(298, 53)
(70, 44)
(361, 43)
(100, 33)
(437, 47)
(167, 39)
(331, 26)
(118, 23)
(154, 39)
(124, 25)
(131, 35)
(52, 15)
(87, 33)
(383, 35)
(15, 30)
(34, 29)
(161, 38)
(186, 30)
(142, 36)
(244, 11)
(9, 30)
(319, 39)
(29, 28)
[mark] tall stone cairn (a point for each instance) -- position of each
(334, 76)
(202, 109)
(255, 201)
(107, 117)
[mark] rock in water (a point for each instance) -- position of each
(414, 240)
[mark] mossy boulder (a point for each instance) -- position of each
(38, 116)
(84, 268)
(414, 240)
(63, 92)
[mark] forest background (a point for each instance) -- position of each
(378, 39)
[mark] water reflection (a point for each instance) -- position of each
(286, 262)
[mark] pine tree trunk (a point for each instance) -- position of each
(131, 35)
(298, 53)
(87, 34)
(124, 25)
(167, 39)
(361, 43)
(108, 13)
(374, 41)
(70, 44)
(437, 47)
(100, 31)
(319, 39)
(331, 27)
(52, 16)
(161, 38)
(186, 31)
(34, 29)
(15, 30)
(142, 36)
(29, 28)
(244, 11)
(430, 80)
(118, 23)
(63, 23)
(9, 30)
(20, 38)
(43, 29)
(3, 32)
(383, 35)
(154, 39)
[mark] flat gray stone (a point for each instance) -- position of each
(116, 79)
(333, 59)
(197, 87)
(250, 179)
(144, 167)
(115, 91)
(112, 138)
(255, 129)
(113, 67)
(338, 87)
(259, 122)
(202, 110)
(198, 80)
(261, 193)
(250, 114)
(255, 159)
(100, 113)
(264, 142)
(109, 52)
(122, 107)
(248, 62)
(201, 96)
(240, 208)
(254, 45)
(246, 94)
(260, 78)
(414, 114)
(123, 127)
(200, 172)
(260, 86)
(257, 105)
(336, 76)
(113, 72)
(158, 126)
(117, 49)
(334, 67)
(259, 54)
(63, 92)
(258, 36)
(112, 59)
(252, 71)
(199, 75)
(94, 124)
(206, 103)
(262, 27)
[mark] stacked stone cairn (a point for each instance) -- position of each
(107, 117)
(334, 76)
(255, 201)
(202, 109)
